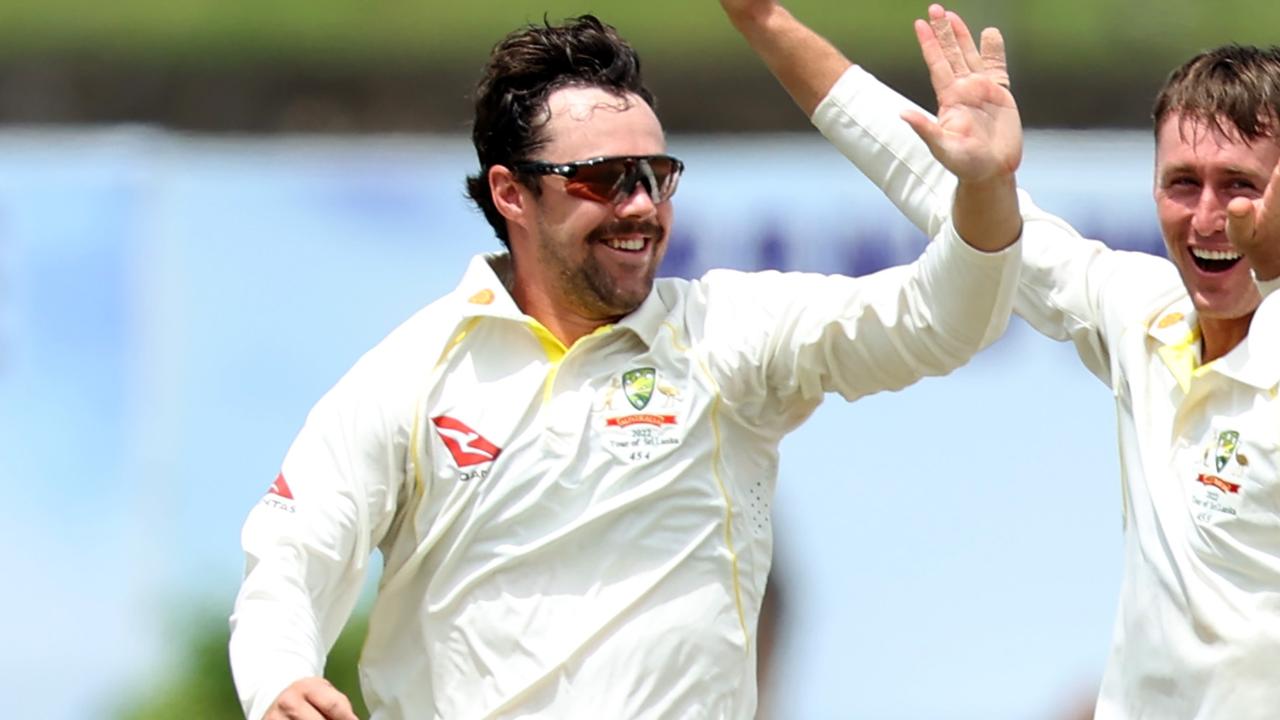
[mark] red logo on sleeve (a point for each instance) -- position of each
(281, 488)
(466, 445)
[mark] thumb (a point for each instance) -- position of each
(928, 130)
(1241, 222)
(993, 58)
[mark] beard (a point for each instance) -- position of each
(599, 289)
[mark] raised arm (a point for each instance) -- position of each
(806, 64)
(977, 136)
(858, 114)
(978, 133)
(1063, 277)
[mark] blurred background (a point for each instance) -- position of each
(209, 210)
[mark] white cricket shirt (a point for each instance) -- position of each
(1197, 633)
(580, 532)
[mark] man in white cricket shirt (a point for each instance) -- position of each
(1188, 345)
(566, 465)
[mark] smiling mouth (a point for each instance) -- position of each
(1214, 261)
(626, 244)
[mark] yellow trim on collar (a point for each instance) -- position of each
(551, 344)
(555, 349)
(1183, 359)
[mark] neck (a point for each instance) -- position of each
(563, 321)
(1220, 336)
(566, 326)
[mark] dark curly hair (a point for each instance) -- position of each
(1232, 87)
(523, 70)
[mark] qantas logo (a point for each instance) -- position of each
(281, 488)
(466, 445)
(279, 496)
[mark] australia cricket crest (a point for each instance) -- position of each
(1216, 492)
(637, 385)
(639, 415)
(1228, 440)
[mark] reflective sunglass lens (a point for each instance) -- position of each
(600, 182)
(660, 176)
(614, 180)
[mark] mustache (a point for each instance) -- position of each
(627, 227)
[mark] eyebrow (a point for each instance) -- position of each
(1236, 170)
(1230, 171)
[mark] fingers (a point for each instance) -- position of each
(331, 703)
(928, 130)
(940, 23)
(949, 50)
(964, 40)
(1270, 212)
(1253, 222)
(1241, 222)
(940, 73)
(993, 58)
(292, 706)
(311, 699)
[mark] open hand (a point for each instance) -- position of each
(978, 133)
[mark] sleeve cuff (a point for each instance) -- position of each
(958, 261)
(830, 110)
(950, 236)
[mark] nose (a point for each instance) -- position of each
(1210, 214)
(639, 203)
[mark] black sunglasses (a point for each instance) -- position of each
(612, 179)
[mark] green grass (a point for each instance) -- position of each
(1086, 33)
(197, 683)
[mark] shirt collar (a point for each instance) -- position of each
(483, 292)
(1255, 361)
(646, 320)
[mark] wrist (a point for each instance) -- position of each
(986, 212)
(997, 184)
(755, 18)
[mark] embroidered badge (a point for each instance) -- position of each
(1228, 440)
(637, 385)
(1217, 482)
(646, 425)
(1216, 490)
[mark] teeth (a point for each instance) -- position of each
(1204, 254)
(625, 244)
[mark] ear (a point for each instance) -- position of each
(510, 197)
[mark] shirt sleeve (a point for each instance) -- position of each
(862, 117)
(789, 338)
(1076, 289)
(307, 544)
(901, 324)
(1064, 277)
